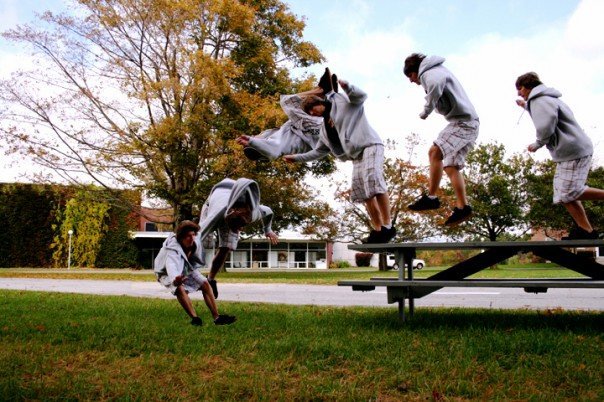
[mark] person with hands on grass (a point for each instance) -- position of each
(177, 268)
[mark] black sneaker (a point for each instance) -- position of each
(254, 155)
(578, 233)
(325, 82)
(214, 287)
(387, 234)
(374, 237)
(334, 83)
(425, 203)
(459, 215)
(224, 319)
(196, 321)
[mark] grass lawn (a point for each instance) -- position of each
(317, 277)
(81, 347)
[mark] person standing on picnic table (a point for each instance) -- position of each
(299, 134)
(347, 135)
(445, 94)
(232, 205)
(177, 268)
(568, 146)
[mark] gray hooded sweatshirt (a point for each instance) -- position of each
(172, 260)
(556, 126)
(222, 198)
(443, 92)
(354, 132)
(299, 134)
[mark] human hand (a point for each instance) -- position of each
(531, 148)
(273, 238)
(423, 115)
(521, 103)
(289, 158)
(243, 140)
(344, 84)
(179, 280)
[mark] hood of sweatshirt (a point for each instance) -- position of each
(542, 90)
(244, 190)
(430, 62)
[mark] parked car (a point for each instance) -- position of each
(417, 263)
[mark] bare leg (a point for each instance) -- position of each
(458, 184)
(436, 169)
(592, 194)
(218, 261)
(383, 204)
(208, 297)
(576, 210)
(185, 301)
(374, 213)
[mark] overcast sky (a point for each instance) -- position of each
(486, 43)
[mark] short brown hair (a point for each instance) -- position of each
(311, 101)
(528, 80)
(185, 227)
(238, 216)
(412, 63)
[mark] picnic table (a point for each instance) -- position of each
(405, 287)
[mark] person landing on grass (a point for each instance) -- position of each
(177, 268)
(445, 94)
(347, 135)
(231, 206)
(568, 145)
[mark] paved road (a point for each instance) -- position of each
(497, 298)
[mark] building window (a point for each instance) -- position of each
(150, 227)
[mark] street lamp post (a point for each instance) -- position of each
(70, 232)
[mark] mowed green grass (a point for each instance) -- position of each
(316, 277)
(81, 347)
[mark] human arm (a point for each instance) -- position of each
(272, 237)
(266, 214)
(243, 140)
(320, 151)
(434, 85)
(208, 222)
(355, 94)
(174, 268)
(544, 112)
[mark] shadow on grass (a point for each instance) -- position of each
(458, 318)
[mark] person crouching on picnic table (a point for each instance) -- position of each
(445, 94)
(347, 135)
(232, 205)
(568, 145)
(177, 268)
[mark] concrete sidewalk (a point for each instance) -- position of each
(497, 298)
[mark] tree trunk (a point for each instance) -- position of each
(183, 212)
(383, 263)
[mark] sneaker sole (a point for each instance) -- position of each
(422, 209)
(254, 155)
(458, 221)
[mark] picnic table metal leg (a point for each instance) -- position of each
(409, 258)
(401, 309)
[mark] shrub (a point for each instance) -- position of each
(339, 264)
(363, 259)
